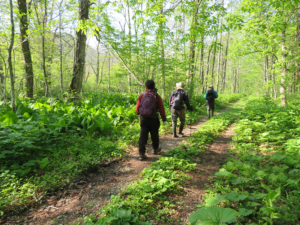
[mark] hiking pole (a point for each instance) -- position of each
(191, 122)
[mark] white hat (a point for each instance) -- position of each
(180, 85)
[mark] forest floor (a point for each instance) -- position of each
(93, 191)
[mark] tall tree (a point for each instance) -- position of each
(79, 58)
(12, 39)
(26, 48)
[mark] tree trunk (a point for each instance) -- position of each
(225, 63)
(1, 80)
(220, 53)
(207, 68)
(161, 40)
(12, 39)
(26, 48)
(235, 77)
(60, 52)
(129, 41)
(298, 39)
(284, 70)
(214, 59)
(98, 64)
(79, 59)
(193, 36)
(273, 75)
(108, 74)
(202, 65)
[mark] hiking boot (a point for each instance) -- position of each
(143, 157)
(174, 132)
(180, 129)
(157, 151)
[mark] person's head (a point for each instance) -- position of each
(179, 85)
(211, 87)
(150, 84)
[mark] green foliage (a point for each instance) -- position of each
(213, 216)
(263, 171)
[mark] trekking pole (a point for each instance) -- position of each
(191, 122)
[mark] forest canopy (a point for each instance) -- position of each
(52, 48)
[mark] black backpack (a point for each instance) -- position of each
(177, 100)
(210, 95)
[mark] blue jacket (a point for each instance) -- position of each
(215, 95)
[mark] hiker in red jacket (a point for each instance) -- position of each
(147, 107)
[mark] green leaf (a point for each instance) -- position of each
(213, 214)
(215, 200)
(235, 197)
(245, 212)
(266, 187)
(43, 163)
(259, 195)
(9, 118)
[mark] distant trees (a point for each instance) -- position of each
(233, 46)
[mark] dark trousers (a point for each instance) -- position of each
(152, 126)
(210, 105)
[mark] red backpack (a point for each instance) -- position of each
(148, 106)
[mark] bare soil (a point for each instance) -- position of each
(92, 192)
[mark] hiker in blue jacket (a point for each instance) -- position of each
(210, 96)
(177, 100)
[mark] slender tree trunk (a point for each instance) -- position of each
(4, 78)
(201, 75)
(98, 64)
(284, 70)
(220, 53)
(225, 64)
(266, 75)
(214, 59)
(26, 48)
(193, 36)
(298, 39)
(12, 39)
(108, 74)
(43, 50)
(1, 80)
(129, 41)
(60, 52)
(207, 68)
(161, 40)
(79, 59)
(235, 77)
(273, 75)
(163, 69)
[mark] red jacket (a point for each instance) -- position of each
(159, 103)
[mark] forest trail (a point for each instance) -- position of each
(92, 192)
(195, 188)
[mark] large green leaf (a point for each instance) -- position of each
(213, 215)
(9, 118)
(215, 200)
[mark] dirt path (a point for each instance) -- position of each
(93, 192)
(195, 188)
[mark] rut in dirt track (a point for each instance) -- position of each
(93, 191)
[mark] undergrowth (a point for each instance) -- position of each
(260, 183)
